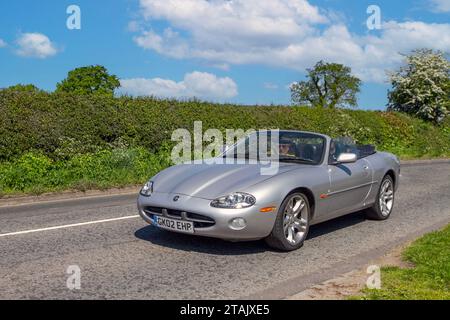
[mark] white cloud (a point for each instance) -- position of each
(215, 25)
(2, 43)
(270, 86)
(169, 42)
(134, 26)
(35, 45)
(285, 33)
(196, 84)
(440, 5)
(369, 56)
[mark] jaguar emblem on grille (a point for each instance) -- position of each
(176, 198)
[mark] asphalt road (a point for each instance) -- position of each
(124, 258)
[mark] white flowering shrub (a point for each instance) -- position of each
(422, 86)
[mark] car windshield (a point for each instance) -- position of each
(283, 146)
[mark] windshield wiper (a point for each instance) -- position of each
(295, 159)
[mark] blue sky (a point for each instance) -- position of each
(244, 51)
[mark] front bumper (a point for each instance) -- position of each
(259, 224)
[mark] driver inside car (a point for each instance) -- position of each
(285, 148)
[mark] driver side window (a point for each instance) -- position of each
(342, 145)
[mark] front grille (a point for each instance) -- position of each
(199, 220)
(153, 209)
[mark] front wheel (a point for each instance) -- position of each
(292, 223)
(382, 208)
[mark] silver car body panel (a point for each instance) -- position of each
(335, 190)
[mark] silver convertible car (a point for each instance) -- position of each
(317, 179)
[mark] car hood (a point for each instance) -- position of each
(210, 181)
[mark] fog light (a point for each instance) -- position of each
(238, 223)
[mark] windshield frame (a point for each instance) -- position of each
(305, 134)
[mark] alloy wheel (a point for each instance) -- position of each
(295, 219)
(386, 199)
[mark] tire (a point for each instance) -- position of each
(382, 208)
(292, 223)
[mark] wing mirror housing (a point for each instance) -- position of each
(347, 158)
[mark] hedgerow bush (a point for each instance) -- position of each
(56, 141)
(37, 173)
(61, 126)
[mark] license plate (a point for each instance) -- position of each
(172, 224)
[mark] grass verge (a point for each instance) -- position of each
(429, 279)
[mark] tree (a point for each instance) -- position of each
(329, 85)
(87, 80)
(422, 86)
(23, 88)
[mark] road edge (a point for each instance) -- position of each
(68, 195)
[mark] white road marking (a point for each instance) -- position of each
(67, 226)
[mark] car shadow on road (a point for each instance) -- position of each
(179, 241)
(336, 224)
(185, 242)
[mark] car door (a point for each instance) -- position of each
(350, 184)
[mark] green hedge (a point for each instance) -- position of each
(61, 126)
(36, 173)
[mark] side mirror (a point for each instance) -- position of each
(347, 158)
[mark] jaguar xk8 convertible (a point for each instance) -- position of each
(318, 178)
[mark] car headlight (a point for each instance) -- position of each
(147, 189)
(237, 200)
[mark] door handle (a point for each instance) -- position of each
(366, 167)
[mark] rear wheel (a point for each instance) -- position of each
(382, 208)
(292, 223)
